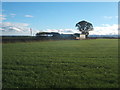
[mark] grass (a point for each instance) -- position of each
(61, 64)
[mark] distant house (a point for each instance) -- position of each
(77, 36)
(48, 34)
(44, 34)
(56, 35)
(82, 36)
(67, 36)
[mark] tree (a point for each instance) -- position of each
(84, 27)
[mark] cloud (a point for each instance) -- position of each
(116, 17)
(2, 17)
(13, 15)
(65, 31)
(105, 29)
(1, 10)
(14, 27)
(9, 28)
(29, 16)
(108, 17)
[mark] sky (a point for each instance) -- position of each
(18, 17)
(60, 0)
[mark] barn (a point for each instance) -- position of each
(56, 35)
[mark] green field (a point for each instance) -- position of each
(61, 64)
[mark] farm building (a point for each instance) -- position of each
(57, 35)
(47, 34)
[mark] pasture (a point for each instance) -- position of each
(61, 64)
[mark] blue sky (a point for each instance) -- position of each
(59, 16)
(60, 0)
